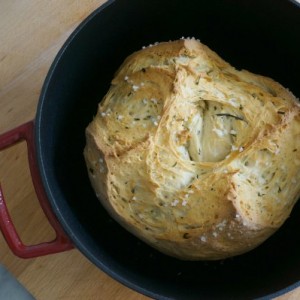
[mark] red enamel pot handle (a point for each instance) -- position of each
(61, 241)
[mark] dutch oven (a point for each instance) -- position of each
(262, 36)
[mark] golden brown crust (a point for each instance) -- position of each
(196, 158)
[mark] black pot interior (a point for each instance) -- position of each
(262, 36)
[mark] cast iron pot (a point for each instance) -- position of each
(262, 36)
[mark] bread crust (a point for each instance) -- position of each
(198, 159)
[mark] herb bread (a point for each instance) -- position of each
(197, 159)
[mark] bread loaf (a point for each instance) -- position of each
(194, 157)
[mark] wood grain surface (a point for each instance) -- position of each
(31, 33)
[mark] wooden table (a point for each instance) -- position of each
(31, 33)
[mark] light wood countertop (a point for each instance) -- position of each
(31, 33)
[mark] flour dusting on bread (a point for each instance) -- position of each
(197, 159)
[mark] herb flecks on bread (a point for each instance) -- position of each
(196, 158)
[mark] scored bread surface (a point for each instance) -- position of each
(197, 159)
